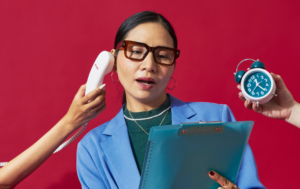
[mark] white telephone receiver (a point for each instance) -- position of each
(102, 66)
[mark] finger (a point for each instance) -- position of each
(97, 103)
(97, 100)
(80, 92)
(256, 108)
(248, 104)
(99, 97)
(93, 94)
(225, 183)
(239, 87)
(241, 96)
(101, 109)
(278, 81)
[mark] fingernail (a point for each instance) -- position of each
(102, 86)
(211, 173)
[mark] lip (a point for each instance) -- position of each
(148, 86)
(146, 79)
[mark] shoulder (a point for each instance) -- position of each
(95, 136)
(198, 106)
(212, 111)
(207, 106)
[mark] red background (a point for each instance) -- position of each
(48, 47)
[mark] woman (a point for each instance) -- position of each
(111, 156)
(82, 110)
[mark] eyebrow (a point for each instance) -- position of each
(149, 45)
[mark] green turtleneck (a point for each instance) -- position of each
(138, 138)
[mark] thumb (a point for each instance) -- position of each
(224, 182)
(80, 92)
(278, 81)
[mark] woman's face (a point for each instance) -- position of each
(135, 75)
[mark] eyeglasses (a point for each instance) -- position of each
(138, 51)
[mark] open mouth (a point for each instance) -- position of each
(145, 82)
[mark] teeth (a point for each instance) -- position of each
(145, 83)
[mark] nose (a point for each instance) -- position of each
(149, 63)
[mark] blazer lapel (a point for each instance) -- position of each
(182, 112)
(118, 152)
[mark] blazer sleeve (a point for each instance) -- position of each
(248, 176)
(87, 172)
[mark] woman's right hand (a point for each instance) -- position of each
(85, 108)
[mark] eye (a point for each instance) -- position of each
(162, 56)
(137, 52)
(165, 56)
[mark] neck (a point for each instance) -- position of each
(138, 105)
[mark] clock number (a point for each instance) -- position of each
(257, 76)
(249, 85)
(253, 93)
(257, 93)
(249, 89)
(262, 92)
(267, 84)
(266, 80)
(262, 77)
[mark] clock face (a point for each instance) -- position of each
(257, 84)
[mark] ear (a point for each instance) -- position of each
(115, 63)
(113, 51)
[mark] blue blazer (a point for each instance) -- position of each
(105, 158)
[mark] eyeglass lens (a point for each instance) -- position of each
(161, 55)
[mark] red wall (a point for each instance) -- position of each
(48, 47)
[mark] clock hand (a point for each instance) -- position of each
(255, 88)
(256, 85)
(262, 88)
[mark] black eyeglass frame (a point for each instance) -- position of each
(124, 44)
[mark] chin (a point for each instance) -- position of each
(146, 96)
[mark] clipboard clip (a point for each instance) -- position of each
(196, 128)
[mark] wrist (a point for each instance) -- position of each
(294, 118)
(67, 124)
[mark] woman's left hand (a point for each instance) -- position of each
(225, 183)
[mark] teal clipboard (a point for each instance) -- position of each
(180, 156)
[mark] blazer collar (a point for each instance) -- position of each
(181, 112)
(117, 122)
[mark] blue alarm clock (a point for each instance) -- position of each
(257, 84)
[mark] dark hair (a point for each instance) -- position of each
(140, 18)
